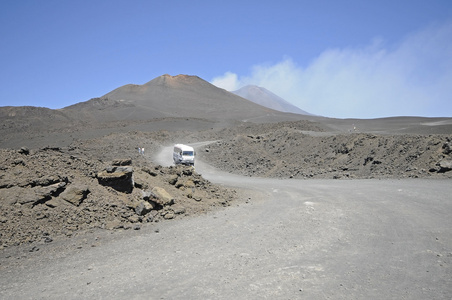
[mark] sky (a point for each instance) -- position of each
(342, 59)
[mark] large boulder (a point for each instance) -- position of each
(142, 180)
(39, 194)
(119, 178)
(75, 194)
(163, 197)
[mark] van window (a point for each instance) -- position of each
(187, 153)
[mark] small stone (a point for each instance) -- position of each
(173, 179)
(169, 216)
(143, 208)
(48, 239)
(24, 150)
(134, 219)
(34, 249)
(122, 162)
(179, 210)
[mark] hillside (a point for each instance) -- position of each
(264, 97)
(167, 102)
(167, 96)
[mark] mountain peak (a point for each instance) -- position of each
(174, 81)
(180, 76)
(264, 97)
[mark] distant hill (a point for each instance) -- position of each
(264, 97)
(22, 118)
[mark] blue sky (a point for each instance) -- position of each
(362, 59)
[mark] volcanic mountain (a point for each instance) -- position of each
(167, 102)
(174, 103)
(167, 96)
(264, 97)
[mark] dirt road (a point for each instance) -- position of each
(287, 239)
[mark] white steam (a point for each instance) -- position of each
(412, 78)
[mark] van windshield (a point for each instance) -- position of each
(187, 153)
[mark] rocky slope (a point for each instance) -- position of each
(53, 192)
(293, 150)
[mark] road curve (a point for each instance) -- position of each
(294, 239)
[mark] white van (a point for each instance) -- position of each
(183, 154)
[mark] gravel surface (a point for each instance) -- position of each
(286, 239)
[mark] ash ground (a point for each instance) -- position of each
(371, 221)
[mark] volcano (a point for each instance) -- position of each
(181, 96)
(264, 97)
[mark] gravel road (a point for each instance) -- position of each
(286, 239)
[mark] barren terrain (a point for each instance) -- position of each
(278, 205)
(301, 150)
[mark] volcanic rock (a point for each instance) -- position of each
(163, 197)
(445, 166)
(75, 194)
(143, 208)
(119, 178)
(122, 162)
